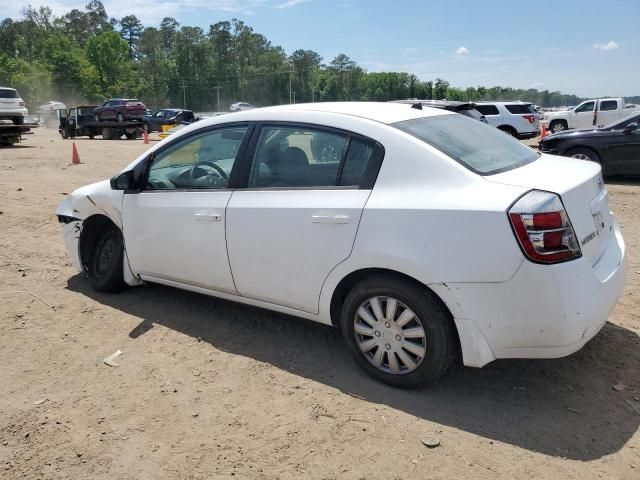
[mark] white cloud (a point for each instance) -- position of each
(611, 45)
(462, 51)
(290, 3)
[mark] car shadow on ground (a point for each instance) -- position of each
(565, 407)
(632, 181)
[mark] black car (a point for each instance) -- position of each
(467, 109)
(167, 116)
(616, 147)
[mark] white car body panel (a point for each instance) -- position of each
(441, 224)
(187, 231)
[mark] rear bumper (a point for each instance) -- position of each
(13, 112)
(527, 135)
(543, 311)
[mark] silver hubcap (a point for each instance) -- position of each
(390, 335)
(582, 156)
(558, 127)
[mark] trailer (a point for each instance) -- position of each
(82, 121)
(11, 134)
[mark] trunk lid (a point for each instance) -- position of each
(581, 188)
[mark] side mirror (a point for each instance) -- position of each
(631, 127)
(123, 181)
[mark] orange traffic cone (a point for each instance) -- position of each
(146, 137)
(75, 158)
(543, 131)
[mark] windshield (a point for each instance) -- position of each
(620, 124)
(482, 149)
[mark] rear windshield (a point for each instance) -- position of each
(520, 109)
(482, 149)
(9, 94)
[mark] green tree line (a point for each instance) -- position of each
(86, 56)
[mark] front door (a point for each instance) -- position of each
(175, 228)
(297, 219)
(583, 115)
(622, 151)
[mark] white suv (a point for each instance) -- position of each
(518, 119)
(12, 106)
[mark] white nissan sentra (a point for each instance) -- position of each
(424, 235)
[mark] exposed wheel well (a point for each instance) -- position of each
(91, 228)
(508, 128)
(348, 282)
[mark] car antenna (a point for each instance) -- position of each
(417, 106)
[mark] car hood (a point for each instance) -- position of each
(583, 132)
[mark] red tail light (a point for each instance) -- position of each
(542, 228)
(529, 118)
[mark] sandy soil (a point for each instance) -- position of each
(209, 389)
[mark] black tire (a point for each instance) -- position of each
(120, 118)
(509, 131)
(439, 343)
(92, 136)
(63, 133)
(557, 126)
(130, 136)
(104, 267)
(18, 120)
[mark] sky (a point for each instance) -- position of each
(585, 47)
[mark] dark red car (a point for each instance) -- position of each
(121, 110)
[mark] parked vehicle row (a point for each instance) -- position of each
(590, 113)
(428, 237)
(616, 147)
(518, 119)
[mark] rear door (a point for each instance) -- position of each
(608, 112)
(297, 218)
(491, 113)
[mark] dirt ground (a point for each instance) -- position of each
(210, 389)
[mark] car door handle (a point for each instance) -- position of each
(330, 219)
(207, 217)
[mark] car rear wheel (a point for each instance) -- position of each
(509, 131)
(398, 332)
(104, 268)
(18, 120)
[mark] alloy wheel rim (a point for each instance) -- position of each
(581, 156)
(105, 256)
(390, 335)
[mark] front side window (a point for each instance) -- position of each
(201, 161)
(479, 147)
(292, 157)
(585, 107)
(608, 105)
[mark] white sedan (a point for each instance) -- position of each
(424, 235)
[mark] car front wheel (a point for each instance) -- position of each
(398, 332)
(104, 267)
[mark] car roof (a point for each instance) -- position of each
(377, 111)
(6, 88)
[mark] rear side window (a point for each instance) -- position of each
(520, 109)
(9, 94)
(308, 157)
(482, 149)
(608, 105)
(471, 112)
(487, 109)
(132, 102)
